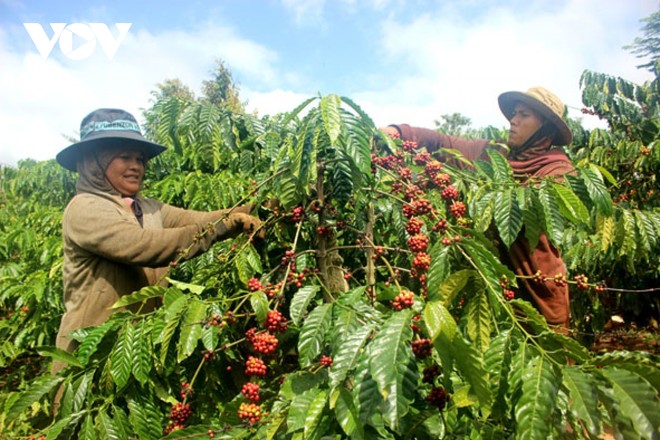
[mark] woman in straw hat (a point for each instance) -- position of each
(115, 241)
(537, 127)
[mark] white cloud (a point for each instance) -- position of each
(45, 98)
(307, 12)
(274, 101)
(445, 62)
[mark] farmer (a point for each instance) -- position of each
(115, 241)
(536, 129)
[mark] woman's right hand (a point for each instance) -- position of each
(238, 222)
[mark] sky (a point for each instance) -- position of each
(402, 61)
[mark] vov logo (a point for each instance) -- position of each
(85, 34)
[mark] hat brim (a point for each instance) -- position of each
(129, 140)
(507, 102)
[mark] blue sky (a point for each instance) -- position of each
(401, 60)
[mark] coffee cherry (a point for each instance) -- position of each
(276, 322)
(582, 281)
(297, 214)
(422, 261)
(249, 412)
(251, 391)
(180, 413)
(254, 284)
(418, 243)
(409, 146)
(414, 225)
(403, 300)
(430, 373)
(255, 367)
(413, 192)
(432, 168)
(458, 209)
(422, 206)
(559, 279)
(509, 294)
(404, 173)
(422, 347)
(442, 180)
(264, 343)
(449, 193)
(422, 157)
(326, 361)
(437, 397)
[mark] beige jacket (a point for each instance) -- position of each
(108, 254)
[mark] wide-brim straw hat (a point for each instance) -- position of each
(544, 102)
(107, 127)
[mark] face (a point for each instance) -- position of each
(524, 122)
(125, 172)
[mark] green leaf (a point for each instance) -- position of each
(533, 221)
(192, 288)
(638, 401)
(141, 295)
(173, 314)
(330, 107)
(583, 392)
(315, 411)
(530, 315)
(597, 190)
(313, 333)
(393, 366)
(94, 337)
(106, 427)
(259, 303)
(347, 415)
(144, 415)
(121, 357)
(69, 422)
(537, 403)
(453, 284)
(484, 208)
(645, 233)
(348, 354)
(439, 269)
(287, 190)
(41, 386)
(59, 355)
(502, 169)
(638, 362)
(300, 302)
(508, 216)
(606, 230)
(554, 224)
(87, 431)
(470, 365)
(497, 361)
(294, 113)
(142, 350)
(191, 329)
(487, 264)
(438, 321)
(571, 204)
(82, 388)
(479, 319)
(365, 119)
(299, 408)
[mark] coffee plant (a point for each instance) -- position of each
(377, 306)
